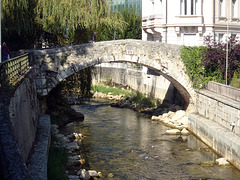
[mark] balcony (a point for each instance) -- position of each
(153, 21)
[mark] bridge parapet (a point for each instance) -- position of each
(55, 64)
(12, 71)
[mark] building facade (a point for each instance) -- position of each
(135, 5)
(186, 22)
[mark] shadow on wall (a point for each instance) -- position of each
(173, 97)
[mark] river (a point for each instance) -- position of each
(132, 147)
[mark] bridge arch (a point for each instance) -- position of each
(55, 64)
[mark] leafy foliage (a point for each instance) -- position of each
(214, 58)
(66, 18)
(208, 63)
(80, 81)
(56, 22)
(142, 101)
(192, 58)
(131, 29)
(19, 27)
(235, 80)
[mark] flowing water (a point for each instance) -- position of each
(131, 146)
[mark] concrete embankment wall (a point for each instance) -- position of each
(218, 106)
(138, 78)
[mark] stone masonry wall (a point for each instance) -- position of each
(220, 109)
(139, 79)
(24, 114)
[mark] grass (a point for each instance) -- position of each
(114, 91)
(143, 101)
(57, 160)
(134, 97)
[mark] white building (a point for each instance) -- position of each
(188, 21)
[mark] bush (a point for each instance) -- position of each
(192, 58)
(208, 63)
(235, 80)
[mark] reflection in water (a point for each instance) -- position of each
(131, 146)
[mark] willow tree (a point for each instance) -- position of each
(19, 28)
(72, 21)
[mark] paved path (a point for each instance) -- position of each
(38, 163)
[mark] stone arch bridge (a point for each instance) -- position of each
(55, 64)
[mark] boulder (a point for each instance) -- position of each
(83, 174)
(78, 136)
(184, 132)
(178, 115)
(71, 146)
(93, 173)
(173, 131)
(156, 118)
(100, 175)
(222, 162)
(110, 175)
(184, 120)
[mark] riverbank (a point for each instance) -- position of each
(172, 116)
(76, 163)
(122, 141)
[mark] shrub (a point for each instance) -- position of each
(208, 63)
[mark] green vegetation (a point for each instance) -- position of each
(208, 63)
(80, 83)
(131, 30)
(114, 91)
(57, 160)
(64, 59)
(235, 80)
(56, 22)
(192, 58)
(142, 101)
(137, 98)
(28, 23)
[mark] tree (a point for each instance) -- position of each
(132, 28)
(19, 28)
(55, 22)
(66, 20)
(214, 58)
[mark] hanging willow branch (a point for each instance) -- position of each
(17, 17)
(67, 16)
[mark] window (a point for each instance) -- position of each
(220, 37)
(193, 7)
(186, 8)
(183, 7)
(234, 8)
(221, 8)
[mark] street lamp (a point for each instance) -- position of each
(227, 42)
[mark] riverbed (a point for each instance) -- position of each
(131, 146)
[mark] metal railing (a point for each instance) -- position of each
(12, 71)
